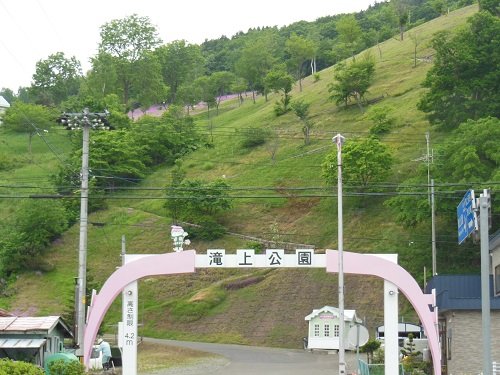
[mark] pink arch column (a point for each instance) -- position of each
(150, 265)
(365, 264)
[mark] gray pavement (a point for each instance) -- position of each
(251, 360)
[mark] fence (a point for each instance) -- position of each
(374, 368)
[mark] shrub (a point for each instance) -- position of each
(257, 246)
(208, 230)
(9, 367)
(62, 367)
(382, 122)
(253, 137)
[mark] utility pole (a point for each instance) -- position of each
(85, 121)
(433, 230)
(339, 141)
(428, 158)
(484, 210)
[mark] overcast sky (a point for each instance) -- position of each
(31, 30)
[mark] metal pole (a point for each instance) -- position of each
(339, 140)
(82, 250)
(485, 281)
(427, 159)
(433, 230)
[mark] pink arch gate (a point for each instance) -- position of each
(186, 262)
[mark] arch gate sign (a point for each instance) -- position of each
(384, 266)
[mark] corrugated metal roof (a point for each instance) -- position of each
(24, 324)
(21, 343)
(460, 292)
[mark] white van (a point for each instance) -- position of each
(95, 358)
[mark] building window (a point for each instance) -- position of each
(336, 330)
(316, 330)
(497, 280)
(327, 330)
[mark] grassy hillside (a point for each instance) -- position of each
(260, 307)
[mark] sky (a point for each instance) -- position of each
(31, 30)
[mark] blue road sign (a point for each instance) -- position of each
(467, 219)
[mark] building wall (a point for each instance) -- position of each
(332, 341)
(465, 346)
(495, 265)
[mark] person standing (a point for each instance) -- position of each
(105, 348)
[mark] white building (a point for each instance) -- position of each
(324, 326)
(4, 104)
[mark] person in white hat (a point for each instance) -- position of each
(106, 352)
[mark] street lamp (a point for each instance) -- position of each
(339, 141)
(85, 121)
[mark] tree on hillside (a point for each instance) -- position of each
(102, 79)
(239, 86)
(401, 7)
(181, 63)
(491, 6)
(204, 86)
(222, 82)
(37, 224)
(349, 32)
(301, 110)
(55, 79)
(196, 199)
(279, 81)
(188, 95)
(149, 89)
(255, 61)
(364, 162)
(411, 209)
(127, 41)
(472, 153)
(300, 50)
(464, 82)
(352, 81)
(28, 118)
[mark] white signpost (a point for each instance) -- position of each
(127, 328)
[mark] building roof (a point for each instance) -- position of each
(349, 315)
(22, 325)
(4, 103)
(21, 343)
(460, 292)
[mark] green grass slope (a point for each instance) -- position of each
(263, 306)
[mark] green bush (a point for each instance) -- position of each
(257, 246)
(382, 121)
(7, 163)
(9, 367)
(208, 230)
(253, 137)
(62, 367)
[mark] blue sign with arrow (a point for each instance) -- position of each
(466, 216)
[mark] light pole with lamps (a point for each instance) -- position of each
(339, 141)
(74, 121)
